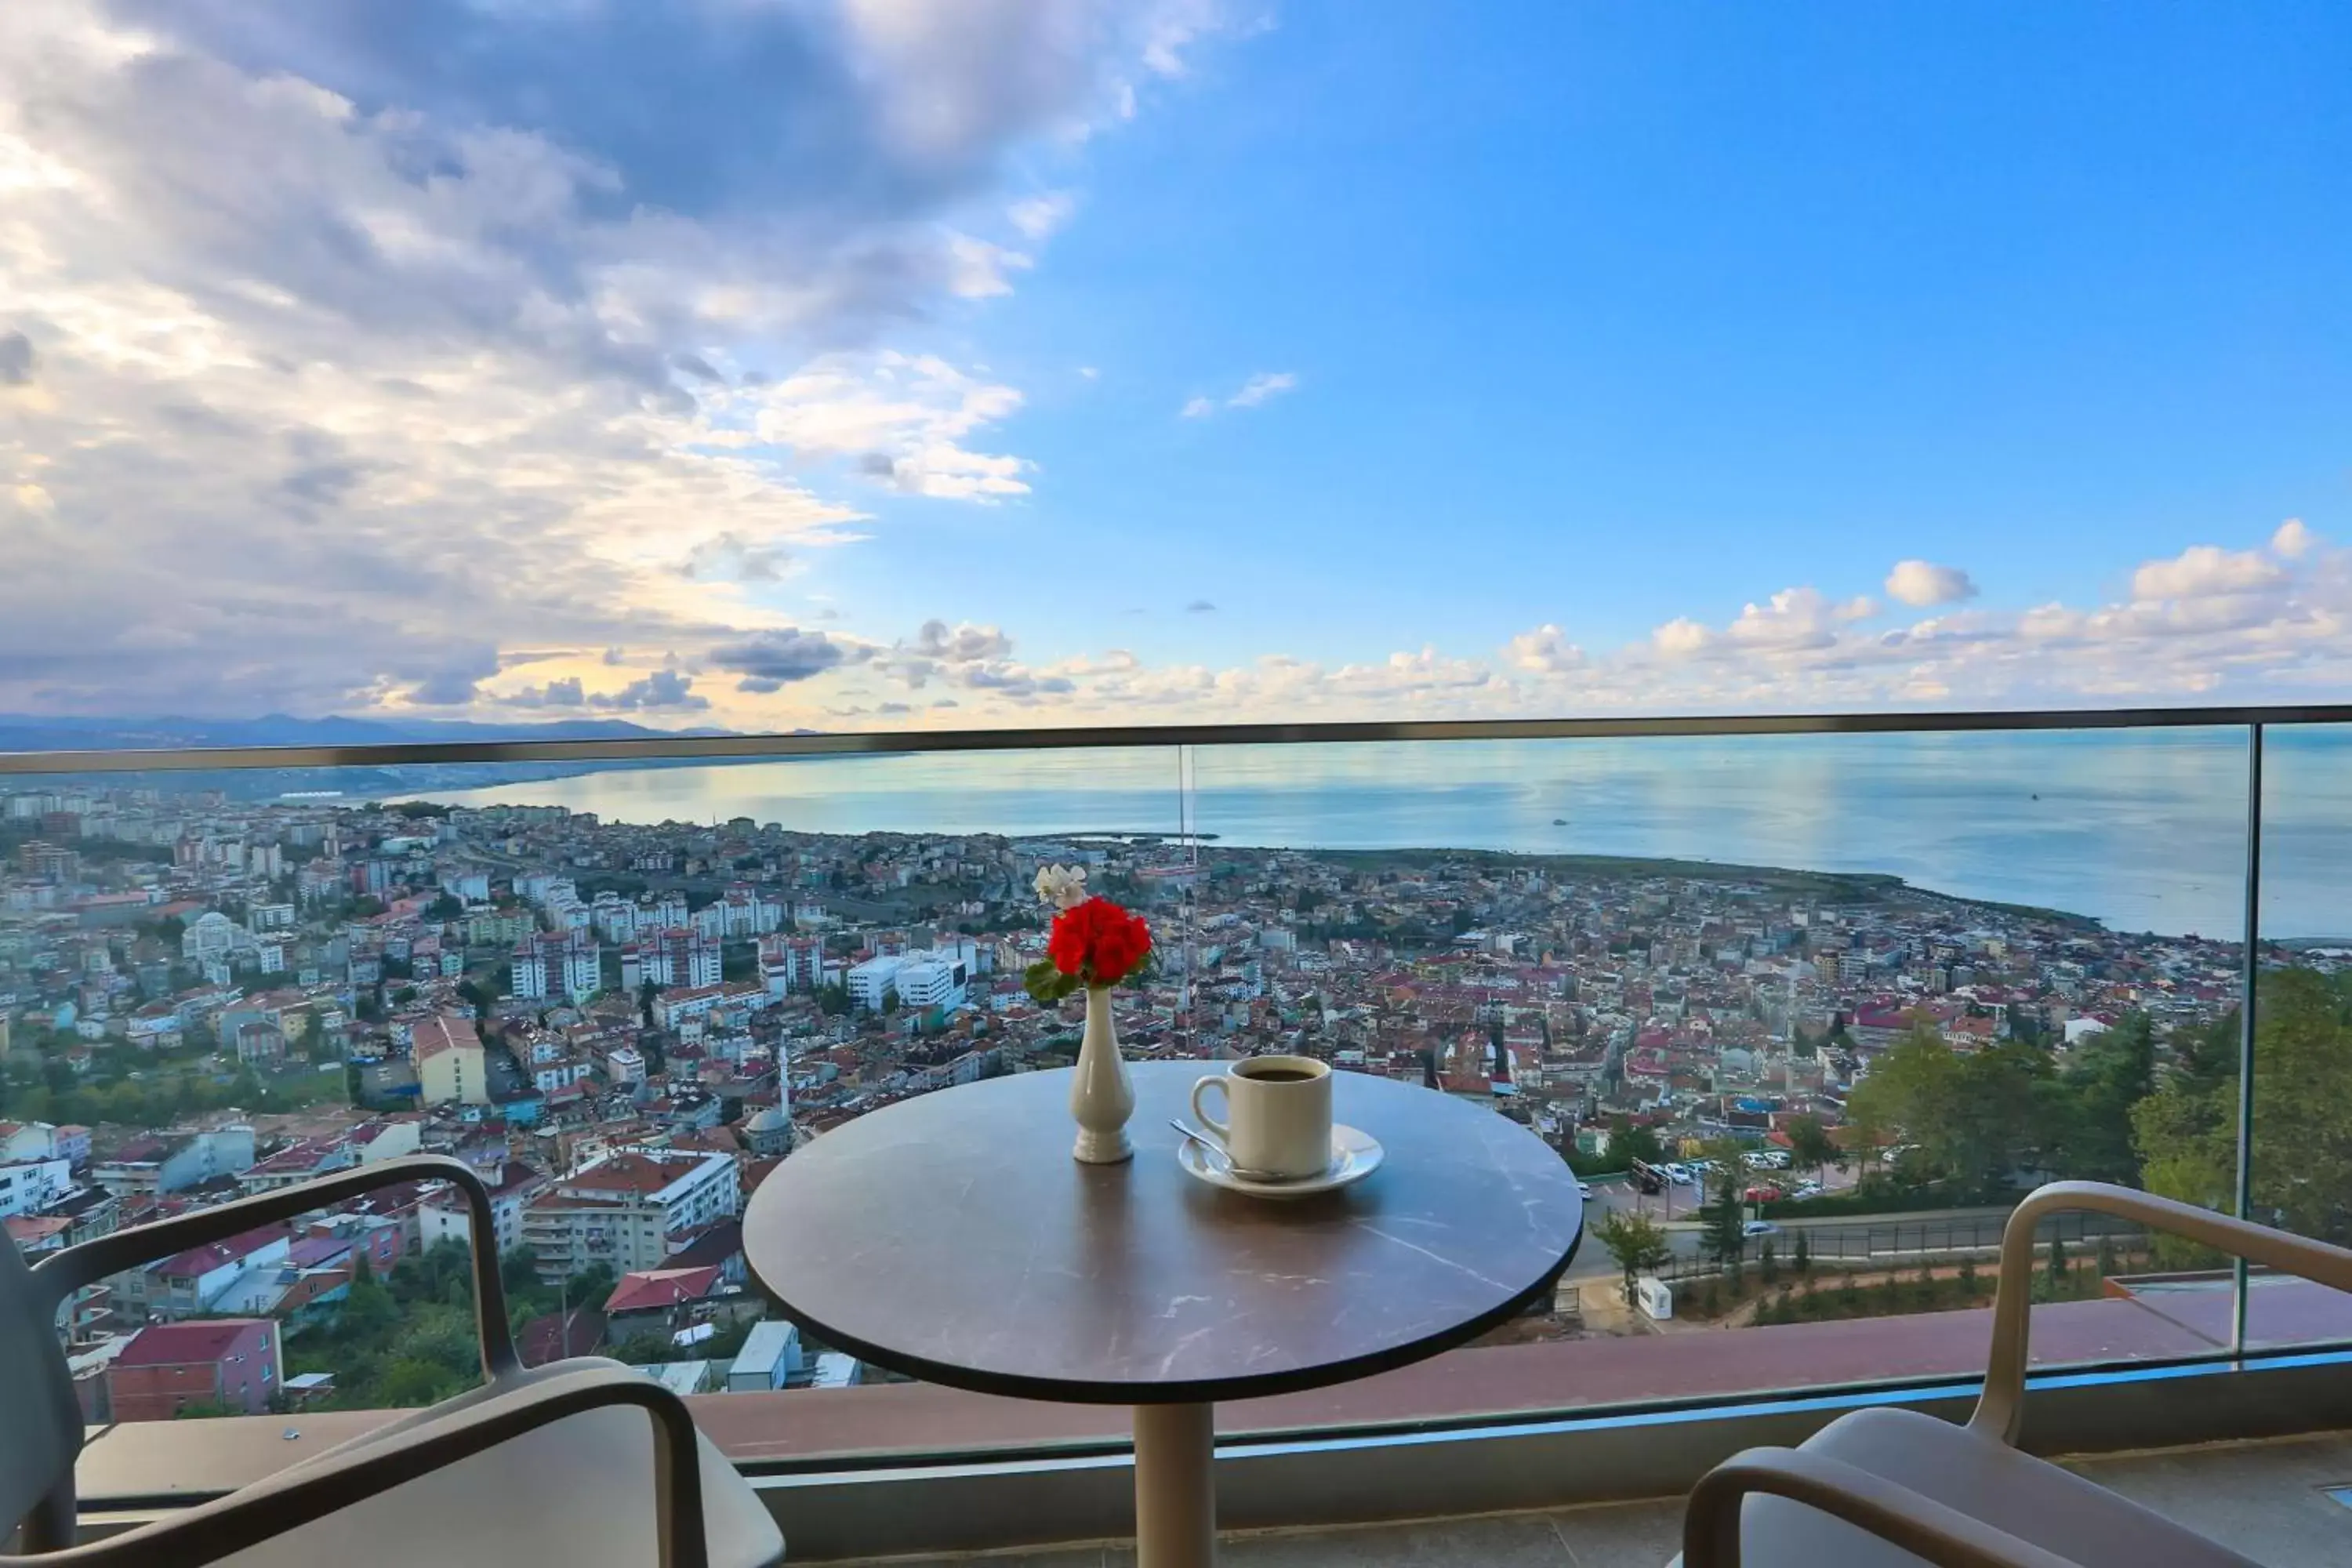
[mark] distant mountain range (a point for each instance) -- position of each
(32, 733)
(28, 732)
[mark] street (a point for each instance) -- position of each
(1838, 1240)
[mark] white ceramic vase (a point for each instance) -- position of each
(1101, 1099)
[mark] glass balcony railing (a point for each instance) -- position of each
(1807, 1010)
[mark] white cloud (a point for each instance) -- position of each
(1262, 387)
(1259, 390)
(1924, 584)
(2205, 570)
(1545, 650)
(660, 690)
(2292, 540)
(1037, 217)
(1796, 618)
(976, 268)
(899, 419)
(1681, 637)
(963, 643)
(398, 306)
(1797, 650)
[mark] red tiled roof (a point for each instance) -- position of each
(205, 1259)
(657, 1288)
(179, 1344)
(641, 1173)
(441, 1033)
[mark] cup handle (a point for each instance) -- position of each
(1218, 1129)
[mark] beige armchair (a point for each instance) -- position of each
(582, 1461)
(1882, 1488)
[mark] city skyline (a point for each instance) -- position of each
(864, 365)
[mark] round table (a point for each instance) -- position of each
(951, 1238)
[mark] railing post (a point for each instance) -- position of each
(2250, 979)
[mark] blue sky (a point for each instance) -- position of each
(839, 356)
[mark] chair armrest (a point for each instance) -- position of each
(244, 1519)
(2000, 1411)
(61, 1274)
(1894, 1512)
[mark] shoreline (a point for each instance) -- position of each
(1859, 885)
(2017, 837)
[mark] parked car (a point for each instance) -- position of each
(1764, 1195)
(1679, 1175)
(1756, 1228)
(1584, 1189)
(1806, 1190)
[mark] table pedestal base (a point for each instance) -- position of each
(1175, 1493)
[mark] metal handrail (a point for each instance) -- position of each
(720, 748)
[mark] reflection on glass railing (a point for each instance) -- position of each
(1807, 1013)
(2302, 1165)
(229, 986)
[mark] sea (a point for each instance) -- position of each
(2144, 830)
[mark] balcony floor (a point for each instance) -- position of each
(2260, 1499)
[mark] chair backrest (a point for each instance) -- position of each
(41, 1419)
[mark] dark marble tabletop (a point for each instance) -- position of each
(952, 1238)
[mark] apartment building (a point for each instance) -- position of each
(449, 1061)
(232, 1363)
(628, 1210)
(444, 1216)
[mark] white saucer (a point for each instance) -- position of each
(1355, 1155)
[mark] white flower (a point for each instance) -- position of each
(1062, 887)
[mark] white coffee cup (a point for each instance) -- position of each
(1278, 1115)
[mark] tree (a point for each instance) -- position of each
(1803, 1258)
(2186, 1132)
(2091, 1109)
(1720, 1223)
(1637, 1243)
(2060, 1269)
(592, 1285)
(1633, 1142)
(1810, 1144)
(1768, 1265)
(518, 1271)
(1975, 1120)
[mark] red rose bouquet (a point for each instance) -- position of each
(1094, 942)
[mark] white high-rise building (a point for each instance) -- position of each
(930, 979)
(870, 983)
